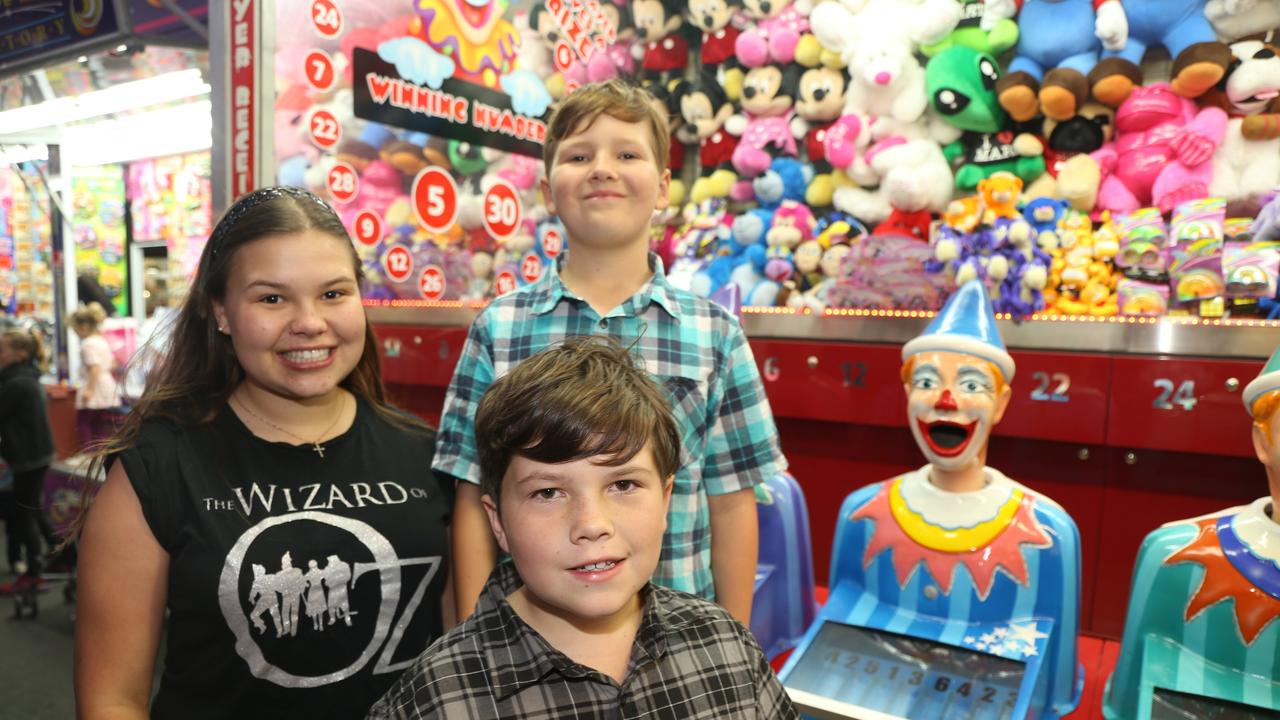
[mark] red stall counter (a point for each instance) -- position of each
(1128, 423)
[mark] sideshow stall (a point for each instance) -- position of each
(1117, 211)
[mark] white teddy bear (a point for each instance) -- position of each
(1242, 167)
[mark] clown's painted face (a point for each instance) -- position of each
(953, 400)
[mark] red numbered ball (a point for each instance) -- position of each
(431, 283)
(326, 18)
(367, 228)
(505, 282)
(397, 262)
(325, 130)
(343, 182)
(501, 210)
(318, 68)
(531, 268)
(435, 199)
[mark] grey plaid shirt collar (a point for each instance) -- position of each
(546, 296)
(517, 656)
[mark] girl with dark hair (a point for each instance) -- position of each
(263, 465)
(26, 444)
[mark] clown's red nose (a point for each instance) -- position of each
(946, 402)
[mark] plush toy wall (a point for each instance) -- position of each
(1000, 139)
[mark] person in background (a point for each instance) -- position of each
(578, 451)
(606, 154)
(9, 516)
(89, 291)
(264, 442)
(26, 445)
(98, 394)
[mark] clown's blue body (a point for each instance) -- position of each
(1056, 33)
(876, 599)
(1207, 654)
(1176, 24)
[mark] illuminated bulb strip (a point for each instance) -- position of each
(911, 314)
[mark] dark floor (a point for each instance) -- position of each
(35, 658)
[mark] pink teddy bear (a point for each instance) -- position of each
(777, 31)
(1161, 152)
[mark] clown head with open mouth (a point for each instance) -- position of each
(957, 376)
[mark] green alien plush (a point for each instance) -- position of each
(992, 35)
(961, 84)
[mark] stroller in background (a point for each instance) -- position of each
(64, 488)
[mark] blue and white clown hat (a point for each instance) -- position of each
(966, 325)
(1267, 380)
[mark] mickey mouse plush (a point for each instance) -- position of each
(715, 19)
(666, 51)
(1070, 173)
(703, 108)
(819, 102)
(768, 97)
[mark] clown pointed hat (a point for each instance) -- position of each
(966, 325)
(1267, 380)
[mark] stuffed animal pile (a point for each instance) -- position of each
(1005, 137)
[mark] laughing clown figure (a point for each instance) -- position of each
(956, 541)
(1206, 594)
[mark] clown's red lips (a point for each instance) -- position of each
(947, 439)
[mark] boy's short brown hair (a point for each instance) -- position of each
(580, 399)
(617, 99)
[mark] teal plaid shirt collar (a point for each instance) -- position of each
(548, 294)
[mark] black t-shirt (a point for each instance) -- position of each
(299, 585)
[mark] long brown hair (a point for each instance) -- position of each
(197, 368)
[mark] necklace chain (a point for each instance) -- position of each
(316, 447)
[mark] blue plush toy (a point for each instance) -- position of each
(749, 231)
(727, 254)
(1182, 28)
(1044, 214)
(786, 179)
(1061, 38)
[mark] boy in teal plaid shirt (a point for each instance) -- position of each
(605, 155)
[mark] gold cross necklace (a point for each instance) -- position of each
(316, 447)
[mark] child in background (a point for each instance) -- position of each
(606, 154)
(26, 444)
(98, 395)
(577, 451)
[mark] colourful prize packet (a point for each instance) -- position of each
(1138, 297)
(1195, 251)
(1250, 270)
(1143, 238)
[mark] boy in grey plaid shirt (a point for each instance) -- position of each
(606, 153)
(578, 448)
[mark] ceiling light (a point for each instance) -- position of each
(126, 96)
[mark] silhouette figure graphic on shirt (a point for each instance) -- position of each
(337, 574)
(291, 586)
(315, 600)
(319, 590)
(263, 595)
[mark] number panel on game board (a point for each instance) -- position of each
(1182, 405)
(1058, 397)
(906, 677)
(832, 381)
